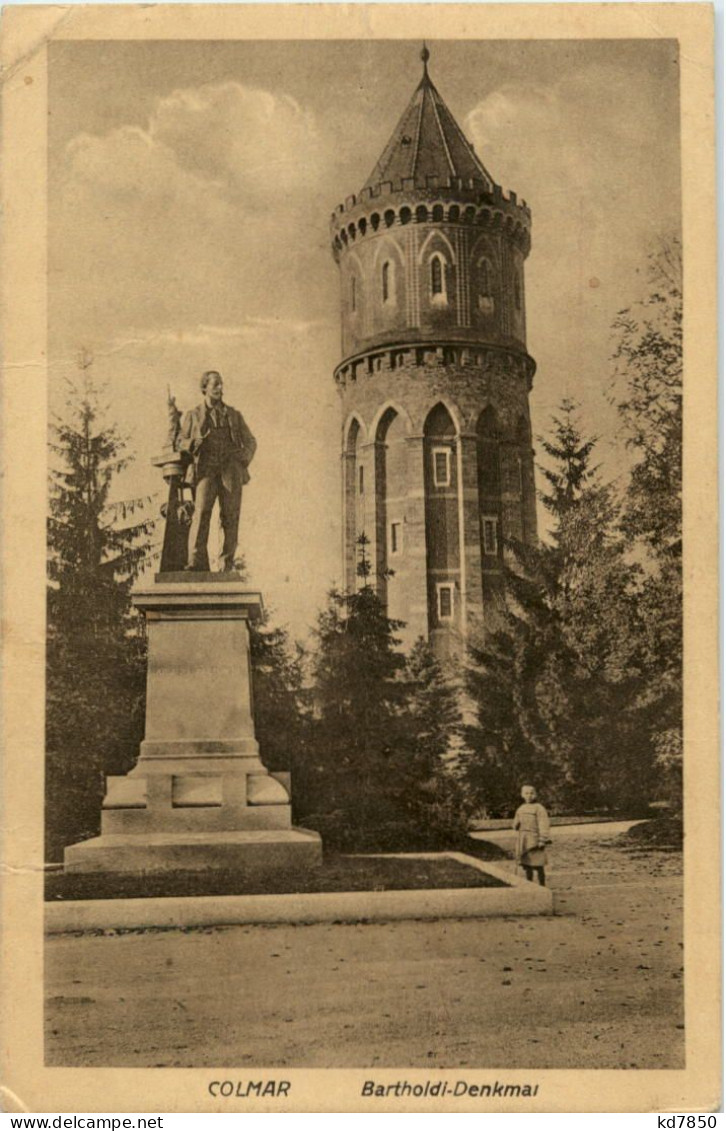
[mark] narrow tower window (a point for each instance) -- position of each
(490, 541)
(442, 467)
(517, 293)
(361, 480)
(352, 294)
(437, 277)
(445, 600)
(386, 281)
(396, 537)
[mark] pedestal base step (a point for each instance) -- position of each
(251, 852)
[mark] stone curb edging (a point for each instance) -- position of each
(519, 898)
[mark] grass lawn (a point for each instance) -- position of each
(664, 834)
(337, 873)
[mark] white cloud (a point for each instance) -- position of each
(203, 216)
(592, 137)
(263, 148)
(252, 147)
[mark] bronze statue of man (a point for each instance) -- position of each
(220, 447)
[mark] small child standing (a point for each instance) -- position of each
(533, 827)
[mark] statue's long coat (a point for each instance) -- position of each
(195, 428)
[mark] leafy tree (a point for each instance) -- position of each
(647, 389)
(557, 683)
(96, 647)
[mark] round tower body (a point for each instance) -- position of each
(436, 442)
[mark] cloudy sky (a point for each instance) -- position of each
(191, 185)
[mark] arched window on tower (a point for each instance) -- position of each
(353, 296)
(387, 291)
(437, 280)
(390, 455)
(442, 500)
(517, 291)
(354, 506)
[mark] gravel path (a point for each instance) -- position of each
(597, 986)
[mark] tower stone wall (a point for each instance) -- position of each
(436, 436)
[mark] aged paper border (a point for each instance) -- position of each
(27, 1085)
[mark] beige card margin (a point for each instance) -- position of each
(26, 1084)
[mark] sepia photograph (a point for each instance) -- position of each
(364, 734)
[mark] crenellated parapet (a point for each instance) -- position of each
(464, 382)
(373, 212)
(449, 358)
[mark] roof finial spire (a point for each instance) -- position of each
(425, 56)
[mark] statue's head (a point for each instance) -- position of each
(212, 385)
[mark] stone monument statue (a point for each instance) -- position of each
(200, 797)
(219, 447)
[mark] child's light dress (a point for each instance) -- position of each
(533, 826)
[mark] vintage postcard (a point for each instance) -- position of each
(359, 551)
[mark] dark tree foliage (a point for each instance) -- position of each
(647, 389)
(506, 672)
(557, 685)
(570, 473)
(360, 694)
(95, 643)
(281, 722)
(377, 750)
(438, 798)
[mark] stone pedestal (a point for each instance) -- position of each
(199, 797)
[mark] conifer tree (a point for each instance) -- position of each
(96, 647)
(438, 798)
(506, 672)
(382, 753)
(359, 694)
(557, 684)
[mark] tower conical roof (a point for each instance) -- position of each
(428, 143)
